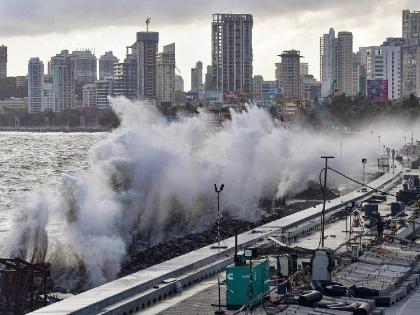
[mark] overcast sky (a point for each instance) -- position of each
(41, 28)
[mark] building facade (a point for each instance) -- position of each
(290, 74)
(179, 83)
(345, 63)
(89, 95)
(63, 80)
(197, 77)
(125, 78)
(328, 62)
(35, 85)
(410, 24)
(257, 82)
(85, 70)
(106, 64)
(145, 49)
(383, 63)
(232, 53)
(104, 89)
(47, 97)
(165, 75)
(3, 61)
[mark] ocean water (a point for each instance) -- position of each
(29, 161)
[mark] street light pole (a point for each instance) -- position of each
(325, 198)
(364, 161)
(218, 191)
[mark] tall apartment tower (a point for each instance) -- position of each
(35, 85)
(197, 77)
(165, 75)
(232, 52)
(179, 83)
(106, 65)
(410, 24)
(85, 70)
(328, 61)
(3, 61)
(62, 71)
(145, 49)
(383, 63)
(290, 74)
(345, 63)
(125, 76)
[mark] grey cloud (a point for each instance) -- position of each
(33, 17)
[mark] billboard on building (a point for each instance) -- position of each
(377, 91)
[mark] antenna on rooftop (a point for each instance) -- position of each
(147, 23)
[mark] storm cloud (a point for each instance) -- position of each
(36, 17)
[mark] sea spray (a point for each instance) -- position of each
(151, 180)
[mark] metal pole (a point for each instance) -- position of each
(218, 219)
(363, 181)
(325, 198)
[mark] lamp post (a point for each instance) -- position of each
(325, 198)
(218, 191)
(364, 161)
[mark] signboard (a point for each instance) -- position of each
(377, 91)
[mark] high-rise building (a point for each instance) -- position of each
(35, 85)
(104, 89)
(210, 80)
(345, 63)
(3, 61)
(179, 83)
(232, 52)
(165, 75)
(125, 77)
(277, 71)
(106, 64)
(257, 82)
(62, 71)
(410, 24)
(304, 68)
(47, 97)
(290, 74)
(328, 61)
(85, 70)
(383, 63)
(197, 77)
(145, 50)
(409, 63)
(311, 88)
(89, 95)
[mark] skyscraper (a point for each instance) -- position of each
(62, 71)
(47, 97)
(345, 63)
(35, 85)
(104, 88)
(179, 83)
(165, 75)
(106, 64)
(125, 76)
(290, 74)
(89, 95)
(232, 52)
(383, 63)
(85, 70)
(337, 64)
(410, 24)
(328, 61)
(3, 61)
(145, 50)
(197, 77)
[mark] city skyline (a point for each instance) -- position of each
(277, 27)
